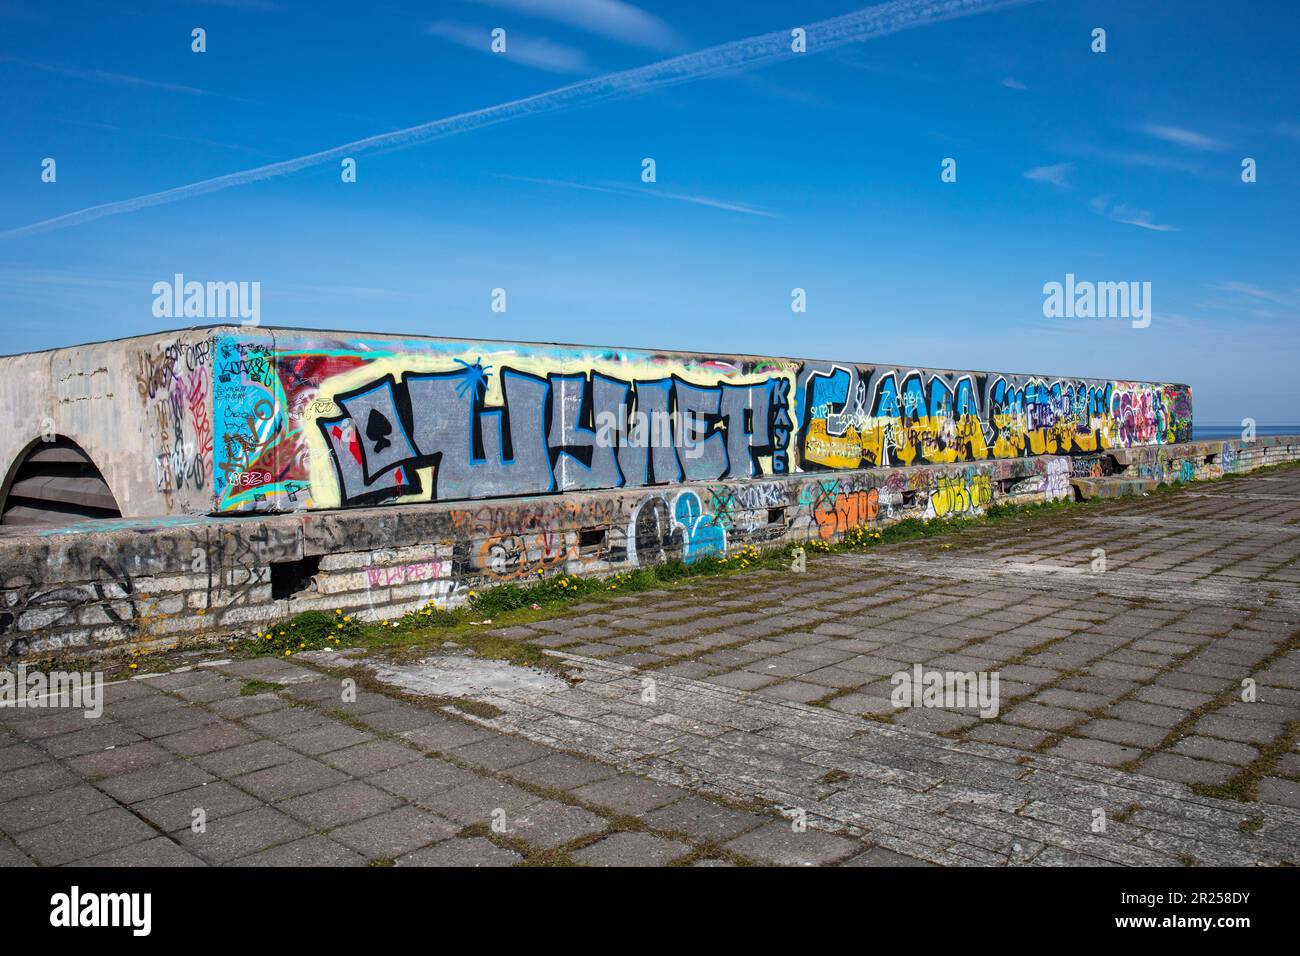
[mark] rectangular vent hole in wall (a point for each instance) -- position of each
(776, 516)
(291, 578)
(909, 499)
(592, 539)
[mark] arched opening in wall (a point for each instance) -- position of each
(56, 482)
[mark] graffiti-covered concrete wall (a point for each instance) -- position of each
(226, 420)
(321, 420)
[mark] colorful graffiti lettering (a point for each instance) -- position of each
(325, 422)
(516, 555)
(960, 495)
(663, 527)
(408, 573)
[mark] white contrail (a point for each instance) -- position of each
(853, 27)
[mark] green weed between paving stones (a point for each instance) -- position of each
(1244, 785)
(254, 687)
(308, 631)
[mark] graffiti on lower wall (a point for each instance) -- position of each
(172, 580)
(311, 421)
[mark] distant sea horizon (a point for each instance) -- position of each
(1206, 432)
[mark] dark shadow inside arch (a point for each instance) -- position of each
(54, 482)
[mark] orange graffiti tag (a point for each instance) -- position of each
(849, 511)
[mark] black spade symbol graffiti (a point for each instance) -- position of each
(378, 428)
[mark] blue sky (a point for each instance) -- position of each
(820, 171)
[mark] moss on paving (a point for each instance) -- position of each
(259, 687)
(1244, 784)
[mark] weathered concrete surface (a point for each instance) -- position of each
(140, 407)
(908, 790)
(281, 780)
(101, 584)
(769, 689)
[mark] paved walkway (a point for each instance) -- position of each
(706, 718)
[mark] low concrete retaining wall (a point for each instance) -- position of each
(164, 581)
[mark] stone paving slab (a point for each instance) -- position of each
(297, 785)
(768, 736)
(891, 784)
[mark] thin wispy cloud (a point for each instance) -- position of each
(856, 27)
(315, 293)
(103, 76)
(536, 52)
(1012, 83)
(714, 203)
(27, 287)
(1129, 157)
(1140, 218)
(1187, 138)
(1119, 212)
(1255, 292)
(649, 191)
(254, 6)
(14, 278)
(1056, 175)
(611, 19)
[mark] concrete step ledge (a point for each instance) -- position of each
(1114, 487)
